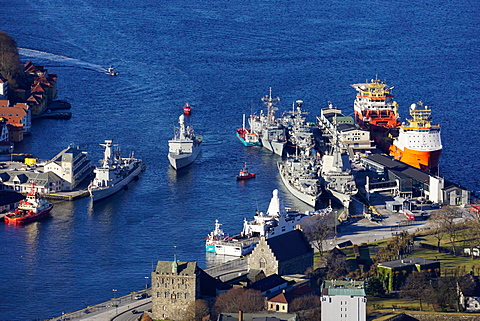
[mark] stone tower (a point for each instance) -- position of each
(175, 285)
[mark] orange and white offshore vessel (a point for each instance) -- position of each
(418, 143)
(374, 106)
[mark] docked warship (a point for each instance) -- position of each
(300, 173)
(270, 129)
(337, 175)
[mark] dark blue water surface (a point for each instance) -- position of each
(221, 56)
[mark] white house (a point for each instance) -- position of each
(3, 88)
(71, 164)
(343, 300)
(469, 293)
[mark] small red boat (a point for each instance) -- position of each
(187, 109)
(30, 209)
(244, 174)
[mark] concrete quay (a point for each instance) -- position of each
(68, 196)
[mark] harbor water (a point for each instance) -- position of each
(221, 57)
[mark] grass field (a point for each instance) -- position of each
(386, 307)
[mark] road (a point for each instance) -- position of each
(116, 309)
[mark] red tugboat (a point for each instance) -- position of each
(244, 174)
(187, 109)
(30, 209)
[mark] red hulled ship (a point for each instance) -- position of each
(416, 142)
(30, 209)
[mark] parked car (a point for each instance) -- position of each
(141, 296)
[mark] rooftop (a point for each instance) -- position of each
(406, 262)
(342, 287)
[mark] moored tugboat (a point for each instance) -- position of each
(30, 209)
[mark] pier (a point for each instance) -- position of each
(68, 196)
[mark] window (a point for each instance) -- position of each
(263, 263)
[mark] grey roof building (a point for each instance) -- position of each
(415, 182)
(270, 285)
(9, 201)
(21, 181)
(288, 253)
(394, 273)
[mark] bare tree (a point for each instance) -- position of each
(306, 307)
(445, 219)
(317, 231)
(336, 266)
(437, 223)
(196, 310)
(417, 287)
(238, 299)
(473, 216)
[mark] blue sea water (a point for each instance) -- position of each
(220, 56)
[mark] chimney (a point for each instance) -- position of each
(240, 315)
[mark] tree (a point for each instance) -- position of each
(317, 230)
(417, 287)
(306, 307)
(336, 266)
(238, 299)
(438, 227)
(10, 64)
(196, 310)
(375, 287)
(445, 220)
(444, 294)
(473, 216)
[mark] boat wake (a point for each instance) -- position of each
(60, 59)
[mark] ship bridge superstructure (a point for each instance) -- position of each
(374, 105)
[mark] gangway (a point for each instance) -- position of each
(391, 186)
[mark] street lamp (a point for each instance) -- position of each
(114, 297)
(146, 283)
